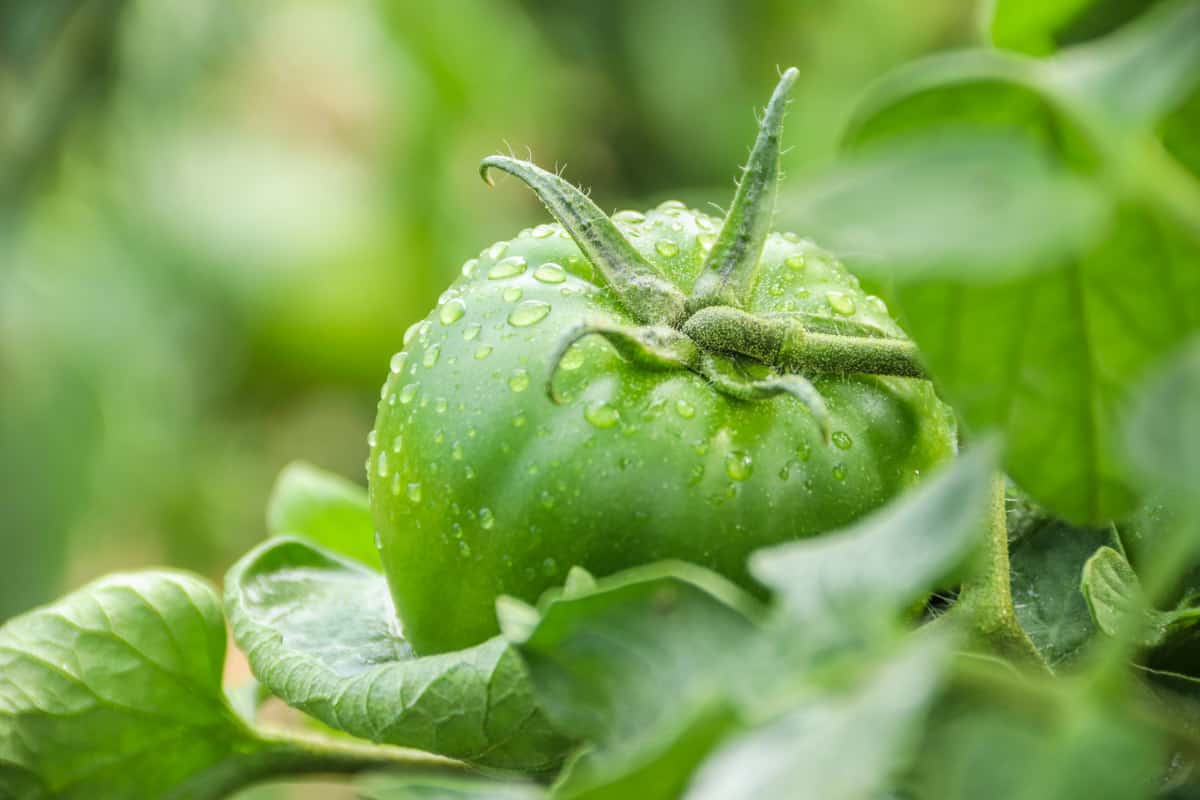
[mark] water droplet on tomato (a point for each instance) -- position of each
(470, 267)
(550, 273)
(507, 268)
(841, 303)
(512, 294)
(528, 313)
(452, 311)
(519, 380)
(739, 465)
(601, 415)
(496, 250)
(666, 248)
(542, 232)
(795, 262)
(629, 215)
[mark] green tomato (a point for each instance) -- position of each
(483, 484)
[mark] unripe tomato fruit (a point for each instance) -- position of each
(481, 484)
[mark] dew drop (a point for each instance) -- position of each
(496, 250)
(483, 352)
(396, 483)
(685, 409)
(378, 541)
(519, 420)
(371, 438)
(519, 380)
(550, 273)
(487, 520)
(572, 359)
(464, 549)
(629, 215)
(707, 240)
(542, 232)
(775, 289)
(470, 267)
(507, 268)
(842, 440)
(696, 475)
(456, 451)
(795, 262)
(414, 492)
(431, 354)
(841, 303)
(381, 465)
(671, 205)
(739, 465)
(452, 311)
(839, 472)
(396, 365)
(408, 393)
(512, 294)
(546, 498)
(601, 415)
(410, 333)
(666, 249)
(528, 313)
(471, 332)
(441, 405)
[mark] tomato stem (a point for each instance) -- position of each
(727, 276)
(784, 342)
(645, 294)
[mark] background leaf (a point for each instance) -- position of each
(641, 666)
(1046, 565)
(1048, 351)
(115, 691)
(837, 747)
(326, 508)
(320, 633)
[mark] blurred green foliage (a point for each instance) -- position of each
(217, 219)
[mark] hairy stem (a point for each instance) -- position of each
(783, 342)
(986, 596)
(645, 294)
(728, 273)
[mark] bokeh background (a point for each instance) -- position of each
(218, 218)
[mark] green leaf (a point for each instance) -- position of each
(641, 667)
(1164, 430)
(836, 747)
(323, 507)
(1040, 27)
(859, 580)
(115, 691)
(934, 204)
(1086, 754)
(1046, 562)
(1048, 349)
(407, 787)
(320, 633)
(1114, 595)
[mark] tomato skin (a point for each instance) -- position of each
(481, 485)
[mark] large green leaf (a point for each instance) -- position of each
(115, 692)
(1119, 607)
(641, 665)
(408, 787)
(1164, 430)
(858, 581)
(1048, 349)
(1040, 27)
(1046, 561)
(841, 746)
(323, 507)
(320, 633)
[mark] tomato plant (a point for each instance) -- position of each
(668, 506)
(575, 399)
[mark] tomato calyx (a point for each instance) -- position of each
(711, 330)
